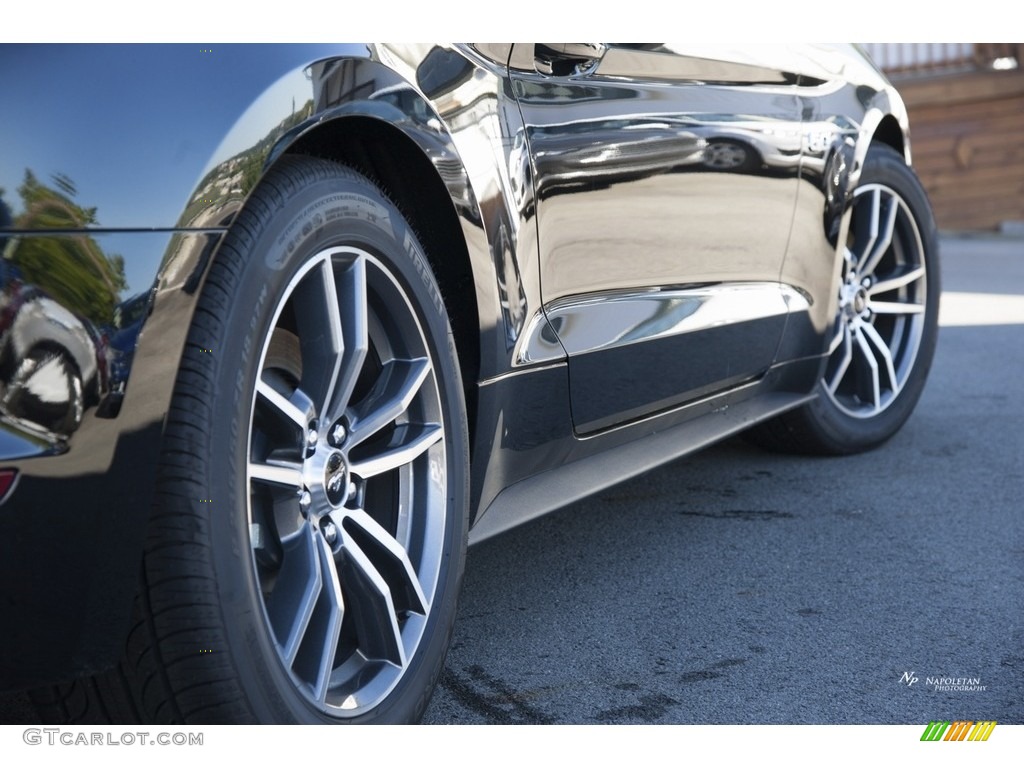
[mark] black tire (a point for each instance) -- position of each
(855, 410)
(254, 509)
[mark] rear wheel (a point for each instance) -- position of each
(885, 332)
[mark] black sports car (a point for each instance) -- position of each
(283, 327)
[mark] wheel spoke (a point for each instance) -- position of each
(318, 318)
(315, 658)
(895, 308)
(391, 559)
(881, 233)
(841, 335)
(296, 409)
(844, 362)
(391, 395)
(284, 473)
(354, 326)
(883, 352)
(408, 442)
(368, 600)
(866, 226)
(870, 370)
(903, 277)
(298, 585)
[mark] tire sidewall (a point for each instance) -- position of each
(339, 208)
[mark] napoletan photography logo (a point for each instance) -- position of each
(943, 683)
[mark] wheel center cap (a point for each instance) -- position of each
(336, 478)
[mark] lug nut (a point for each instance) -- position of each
(305, 500)
(330, 532)
(338, 435)
(311, 438)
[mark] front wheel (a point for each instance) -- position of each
(348, 461)
(885, 332)
(305, 557)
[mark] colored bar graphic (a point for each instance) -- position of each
(958, 730)
(935, 730)
(982, 730)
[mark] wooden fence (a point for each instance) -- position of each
(967, 129)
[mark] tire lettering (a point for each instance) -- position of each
(420, 263)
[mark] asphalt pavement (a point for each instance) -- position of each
(739, 586)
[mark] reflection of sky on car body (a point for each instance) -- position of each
(157, 83)
(141, 251)
(292, 89)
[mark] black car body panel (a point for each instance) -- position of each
(599, 334)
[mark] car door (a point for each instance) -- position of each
(665, 185)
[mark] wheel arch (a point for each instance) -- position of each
(422, 139)
(401, 167)
(884, 122)
(890, 133)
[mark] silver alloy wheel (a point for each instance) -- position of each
(882, 305)
(347, 481)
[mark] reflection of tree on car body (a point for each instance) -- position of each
(74, 270)
(57, 294)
